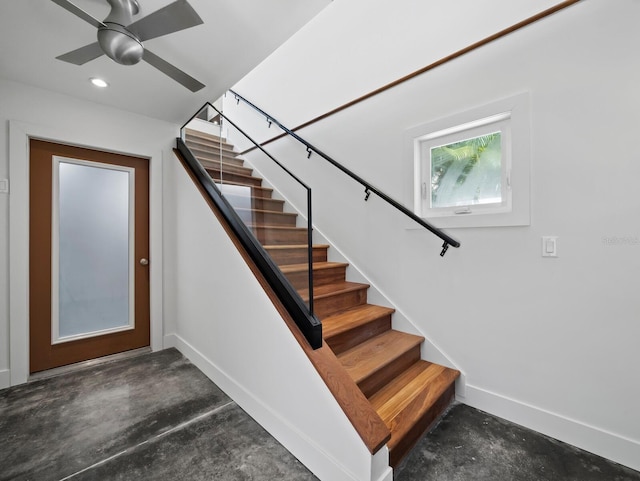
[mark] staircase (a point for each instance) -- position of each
(408, 393)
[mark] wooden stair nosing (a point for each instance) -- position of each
(400, 445)
(206, 145)
(296, 254)
(412, 401)
(339, 287)
(373, 363)
(265, 192)
(274, 234)
(239, 179)
(317, 266)
(206, 135)
(265, 217)
(226, 167)
(215, 157)
(323, 273)
(258, 203)
(267, 212)
(347, 329)
(335, 297)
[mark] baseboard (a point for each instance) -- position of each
(609, 445)
(5, 378)
(288, 435)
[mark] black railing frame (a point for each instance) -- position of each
(368, 188)
(302, 315)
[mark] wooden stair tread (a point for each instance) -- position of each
(351, 318)
(317, 266)
(263, 211)
(235, 174)
(395, 396)
(208, 159)
(255, 198)
(211, 148)
(206, 136)
(276, 227)
(364, 359)
(296, 254)
(294, 246)
(225, 166)
(335, 288)
(412, 402)
(231, 182)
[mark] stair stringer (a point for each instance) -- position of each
(247, 349)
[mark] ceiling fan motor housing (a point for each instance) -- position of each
(116, 41)
(119, 44)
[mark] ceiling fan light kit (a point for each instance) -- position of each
(120, 38)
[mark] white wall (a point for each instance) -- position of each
(28, 111)
(230, 329)
(548, 343)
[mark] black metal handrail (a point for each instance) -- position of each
(368, 188)
(303, 316)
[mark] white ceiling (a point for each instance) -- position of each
(235, 37)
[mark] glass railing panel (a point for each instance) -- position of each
(277, 212)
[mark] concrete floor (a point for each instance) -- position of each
(152, 417)
(157, 417)
(472, 445)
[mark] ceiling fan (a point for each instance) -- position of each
(120, 38)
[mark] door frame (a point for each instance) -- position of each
(19, 135)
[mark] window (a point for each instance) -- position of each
(465, 170)
(472, 169)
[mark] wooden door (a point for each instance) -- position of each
(88, 254)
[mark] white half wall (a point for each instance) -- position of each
(550, 343)
(227, 326)
(29, 112)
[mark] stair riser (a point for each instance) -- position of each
(297, 255)
(300, 280)
(379, 378)
(207, 139)
(268, 236)
(427, 421)
(266, 218)
(235, 178)
(240, 191)
(210, 156)
(255, 203)
(339, 302)
(208, 142)
(346, 340)
(227, 168)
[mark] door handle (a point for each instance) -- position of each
(144, 262)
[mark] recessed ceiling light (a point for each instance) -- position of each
(98, 82)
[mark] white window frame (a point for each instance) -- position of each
(512, 117)
(423, 161)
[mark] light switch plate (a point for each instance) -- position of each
(4, 186)
(549, 246)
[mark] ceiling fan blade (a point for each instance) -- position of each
(77, 11)
(82, 55)
(173, 72)
(174, 17)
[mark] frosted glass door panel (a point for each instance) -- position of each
(95, 277)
